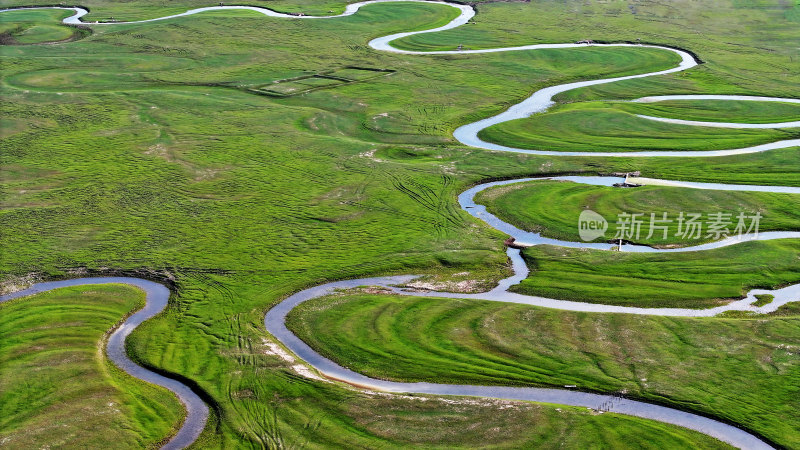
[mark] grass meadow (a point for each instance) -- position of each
(143, 149)
(36, 27)
(716, 110)
(57, 388)
(605, 130)
(688, 280)
(744, 371)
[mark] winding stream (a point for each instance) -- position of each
(540, 101)
(156, 298)
(528, 239)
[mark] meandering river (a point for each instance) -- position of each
(156, 298)
(540, 101)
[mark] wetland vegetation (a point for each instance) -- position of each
(143, 149)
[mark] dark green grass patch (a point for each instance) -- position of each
(763, 299)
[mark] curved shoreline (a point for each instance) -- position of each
(700, 123)
(274, 322)
(156, 299)
(524, 238)
(158, 295)
(540, 101)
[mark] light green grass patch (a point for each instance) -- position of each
(688, 280)
(607, 130)
(34, 27)
(57, 388)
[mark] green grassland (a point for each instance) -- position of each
(736, 61)
(742, 370)
(35, 27)
(57, 388)
(79, 399)
(689, 280)
(530, 206)
(141, 148)
(763, 299)
(738, 58)
(111, 10)
(604, 130)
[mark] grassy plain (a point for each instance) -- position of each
(110, 10)
(57, 388)
(530, 206)
(140, 148)
(738, 58)
(689, 280)
(742, 370)
(35, 27)
(579, 128)
(736, 61)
